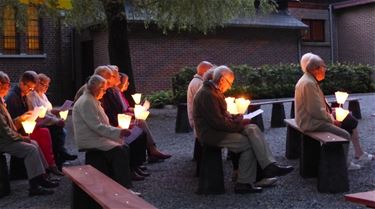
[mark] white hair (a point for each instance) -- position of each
(94, 83)
(305, 61)
(220, 71)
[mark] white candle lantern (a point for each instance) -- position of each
(42, 111)
(144, 115)
(229, 99)
(138, 109)
(232, 108)
(242, 105)
(63, 114)
(28, 126)
(341, 97)
(124, 120)
(137, 98)
(341, 114)
(146, 105)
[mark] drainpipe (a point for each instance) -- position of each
(299, 50)
(331, 33)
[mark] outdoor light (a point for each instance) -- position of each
(341, 114)
(341, 97)
(63, 114)
(242, 105)
(124, 120)
(137, 98)
(28, 126)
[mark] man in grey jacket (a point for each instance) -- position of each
(13, 143)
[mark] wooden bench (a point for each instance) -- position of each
(278, 112)
(363, 198)
(101, 189)
(321, 155)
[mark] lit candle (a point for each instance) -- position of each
(232, 108)
(124, 120)
(144, 115)
(341, 114)
(242, 105)
(341, 97)
(137, 98)
(28, 126)
(229, 99)
(138, 109)
(63, 114)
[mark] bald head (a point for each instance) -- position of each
(203, 67)
(305, 60)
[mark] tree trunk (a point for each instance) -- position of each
(118, 44)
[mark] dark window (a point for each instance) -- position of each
(33, 31)
(10, 43)
(315, 33)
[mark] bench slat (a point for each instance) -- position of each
(364, 198)
(324, 137)
(104, 190)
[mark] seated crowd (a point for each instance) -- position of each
(121, 153)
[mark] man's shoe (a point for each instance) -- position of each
(39, 191)
(240, 188)
(136, 177)
(160, 155)
(55, 170)
(141, 172)
(143, 168)
(274, 170)
(68, 157)
(266, 182)
(48, 184)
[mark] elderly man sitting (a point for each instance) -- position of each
(314, 114)
(93, 131)
(216, 127)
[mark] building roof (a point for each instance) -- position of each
(274, 20)
(351, 3)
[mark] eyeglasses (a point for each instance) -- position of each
(44, 84)
(230, 84)
(30, 88)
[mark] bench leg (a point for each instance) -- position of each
(309, 158)
(278, 115)
(211, 177)
(292, 110)
(4, 177)
(82, 200)
(333, 173)
(182, 120)
(17, 168)
(355, 108)
(258, 120)
(293, 143)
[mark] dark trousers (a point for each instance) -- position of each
(114, 163)
(58, 143)
(138, 151)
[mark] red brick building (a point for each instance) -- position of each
(303, 26)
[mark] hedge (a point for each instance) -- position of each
(278, 81)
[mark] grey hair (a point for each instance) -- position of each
(221, 71)
(305, 60)
(314, 62)
(102, 69)
(4, 77)
(94, 83)
(113, 67)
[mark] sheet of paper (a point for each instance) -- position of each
(253, 114)
(66, 106)
(135, 132)
(35, 113)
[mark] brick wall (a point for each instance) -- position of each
(55, 63)
(157, 57)
(355, 34)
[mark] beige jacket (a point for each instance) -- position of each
(310, 106)
(91, 125)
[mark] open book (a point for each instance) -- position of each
(253, 114)
(67, 105)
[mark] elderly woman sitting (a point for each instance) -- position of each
(93, 132)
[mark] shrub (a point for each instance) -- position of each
(160, 98)
(277, 81)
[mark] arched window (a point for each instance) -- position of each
(10, 43)
(33, 43)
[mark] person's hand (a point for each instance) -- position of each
(337, 123)
(26, 139)
(125, 132)
(246, 121)
(25, 116)
(238, 118)
(60, 123)
(55, 111)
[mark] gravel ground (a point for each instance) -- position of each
(173, 185)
